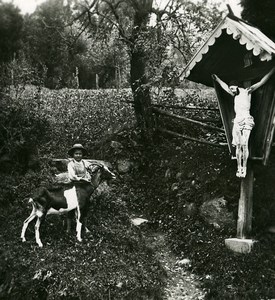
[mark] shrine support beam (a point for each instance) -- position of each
(244, 223)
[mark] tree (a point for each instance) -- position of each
(260, 14)
(11, 23)
(146, 42)
(52, 40)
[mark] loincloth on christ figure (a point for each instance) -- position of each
(240, 124)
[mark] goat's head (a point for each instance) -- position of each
(100, 172)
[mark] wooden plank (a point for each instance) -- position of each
(244, 223)
(185, 107)
(226, 112)
(262, 108)
(88, 160)
(270, 130)
(175, 134)
(168, 114)
(269, 142)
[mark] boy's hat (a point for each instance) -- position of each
(77, 147)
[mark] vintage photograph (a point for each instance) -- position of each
(137, 156)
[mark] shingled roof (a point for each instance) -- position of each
(223, 53)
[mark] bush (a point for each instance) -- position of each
(23, 127)
(85, 116)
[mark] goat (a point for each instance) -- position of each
(48, 201)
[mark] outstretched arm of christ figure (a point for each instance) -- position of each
(222, 84)
(262, 81)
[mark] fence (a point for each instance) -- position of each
(158, 112)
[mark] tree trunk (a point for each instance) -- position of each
(139, 81)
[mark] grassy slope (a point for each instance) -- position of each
(202, 173)
(114, 261)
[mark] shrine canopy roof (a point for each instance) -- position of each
(224, 51)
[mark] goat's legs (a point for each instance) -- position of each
(26, 223)
(69, 222)
(37, 233)
(69, 217)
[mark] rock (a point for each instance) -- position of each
(138, 221)
(189, 209)
(184, 262)
(179, 175)
(167, 173)
(190, 175)
(240, 245)
(175, 186)
(215, 212)
(116, 146)
(124, 166)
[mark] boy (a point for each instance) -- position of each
(76, 167)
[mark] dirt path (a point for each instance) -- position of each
(181, 283)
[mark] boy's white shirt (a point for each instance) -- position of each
(71, 170)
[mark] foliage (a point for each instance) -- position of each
(187, 26)
(22, 129)
(23, 126)
(260, 14)
(11, 23)
(82, 115)
(18, 73)
(50, 39)
(106, 58)
(37, 122)
(50, 121)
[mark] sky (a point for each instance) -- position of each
(28, 6)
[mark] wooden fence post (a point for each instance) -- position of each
(244, 224)
(96, 81)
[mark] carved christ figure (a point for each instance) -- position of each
(243, 121)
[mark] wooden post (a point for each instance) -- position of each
(96, 81)
(244, 224)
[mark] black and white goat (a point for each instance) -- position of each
(47, 201)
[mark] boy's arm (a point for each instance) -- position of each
(222, 84)
(262, 81)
